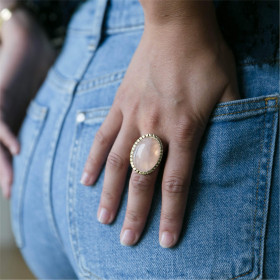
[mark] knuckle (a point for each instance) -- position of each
(101, 138)
(152, 121)
(133, 108)
(140, 183)
(133, 217)
(168, 218)
(186, 130)
(174, 185)
(115, 161)
(108, 196)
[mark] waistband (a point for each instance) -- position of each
(119, 15)
(250, 28)
(96, 17)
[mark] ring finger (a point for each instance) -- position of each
(141, 189)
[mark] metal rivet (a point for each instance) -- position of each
(91, 47)
(80, 117)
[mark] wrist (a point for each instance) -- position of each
(192, 23)
(196, 37)
(161, 12)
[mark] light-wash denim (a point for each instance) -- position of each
(231, 226)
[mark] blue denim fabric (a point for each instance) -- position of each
(231, 226)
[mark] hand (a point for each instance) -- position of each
(178, 73)
(9, 146)
(22, 41)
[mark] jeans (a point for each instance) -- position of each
(231, 226)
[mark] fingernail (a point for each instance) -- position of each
(85, 180)
(127, 237)
(167, 239)
(104, 216)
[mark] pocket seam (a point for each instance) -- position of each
(265, 196)
(34, 117)
(246, 102)
(71, 207)
(94, 115)
(256, 199)
(36, 111)
(263, 201)
(240, 112)
(230, 110)
(101, 81)
(241, 275)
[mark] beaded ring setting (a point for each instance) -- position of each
(146, 154)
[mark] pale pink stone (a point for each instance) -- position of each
(146, 154)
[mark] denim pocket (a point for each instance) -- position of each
(225, 224)
(230, 190)
(87, 124)
(28, 137)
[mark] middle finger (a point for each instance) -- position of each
(146, 156)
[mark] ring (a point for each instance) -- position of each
(146, 154)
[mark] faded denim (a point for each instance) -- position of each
(231, 226)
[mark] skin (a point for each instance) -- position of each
(181, 69)
(18, 63)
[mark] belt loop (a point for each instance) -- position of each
(95, 35)
(97, 23)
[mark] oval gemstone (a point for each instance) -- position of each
(146, 154)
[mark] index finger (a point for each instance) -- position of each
(100, 148)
